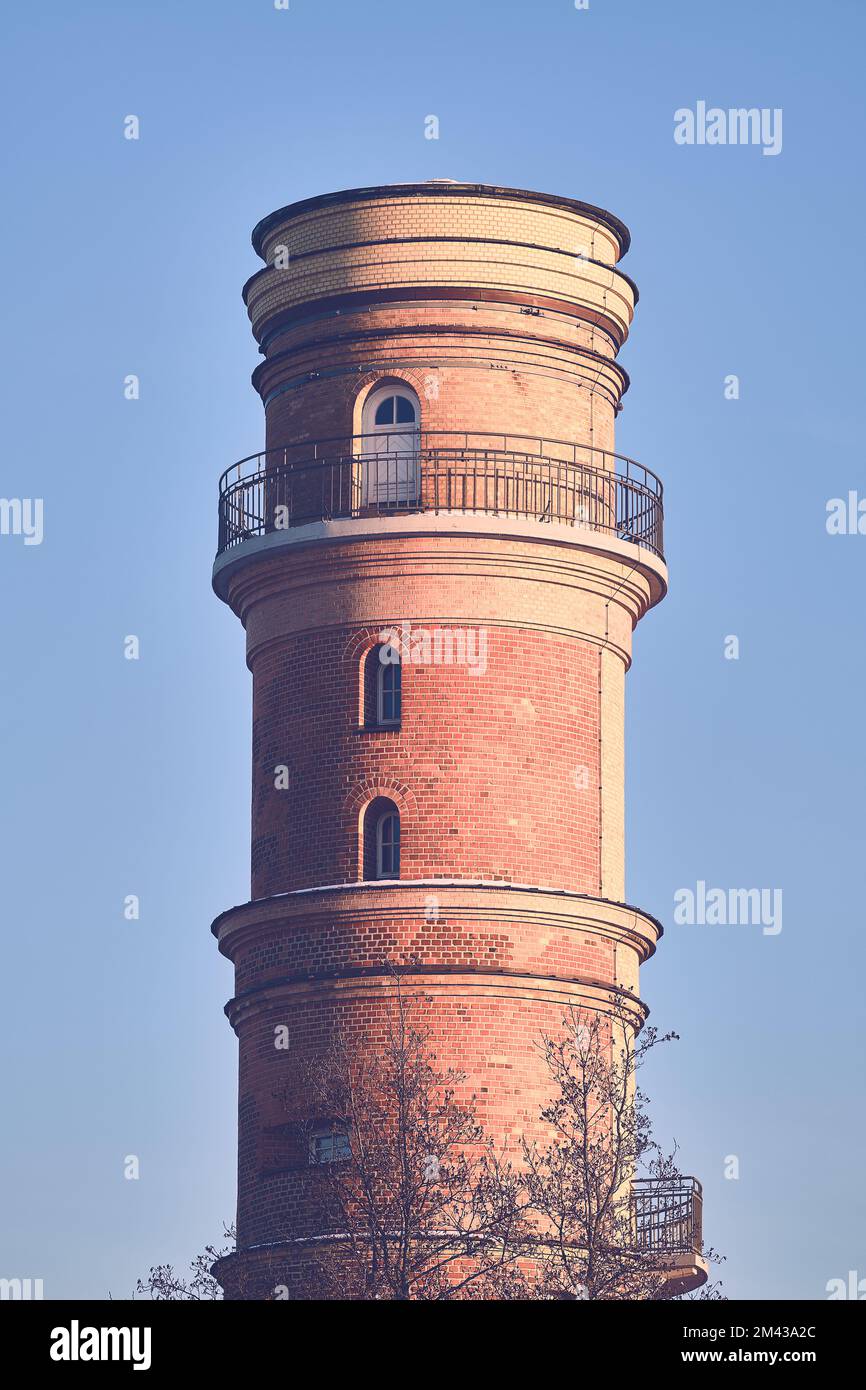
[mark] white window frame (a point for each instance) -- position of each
(375, 399)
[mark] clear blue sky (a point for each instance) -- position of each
(133, 777)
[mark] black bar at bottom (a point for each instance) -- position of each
(156, 1339)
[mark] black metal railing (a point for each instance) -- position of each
(439, 471)
(668, 1214)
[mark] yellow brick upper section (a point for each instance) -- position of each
(495, 217)
(493, 243)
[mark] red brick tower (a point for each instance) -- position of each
(440, 385)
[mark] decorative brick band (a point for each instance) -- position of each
(456, 937)
(275, 317)
(461, 240)
(553, 907)
(512, 988)
(469, 195)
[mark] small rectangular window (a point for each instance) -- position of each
(329, 1144)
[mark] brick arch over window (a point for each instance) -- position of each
(380, 838)
(358, 657)
(416, 381)
(364, 795)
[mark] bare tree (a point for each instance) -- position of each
(579, 1184)
(412, 1201)
(417, 1202)
(199, 1286)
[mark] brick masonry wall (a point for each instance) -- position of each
(492, 968)
(489, 1036)
(460, 387)
(483, 766)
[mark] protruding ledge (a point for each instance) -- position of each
(253, 1270)
(684, 1272)
(552, 908)
(430, 524)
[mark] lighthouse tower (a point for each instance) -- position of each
(439, 560)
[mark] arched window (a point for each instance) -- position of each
(389, 692)
(381, 834)
(388, 845)
(382, 687)
(397, 409)
(390, 428)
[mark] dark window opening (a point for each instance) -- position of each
(383, 688)
(381, 847)
(395, 410)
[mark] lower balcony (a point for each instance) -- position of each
(668, 1223)
(436, 471)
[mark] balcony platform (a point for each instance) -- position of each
(501, 485)
(502, 475)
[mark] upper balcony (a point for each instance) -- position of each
(365, 476)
